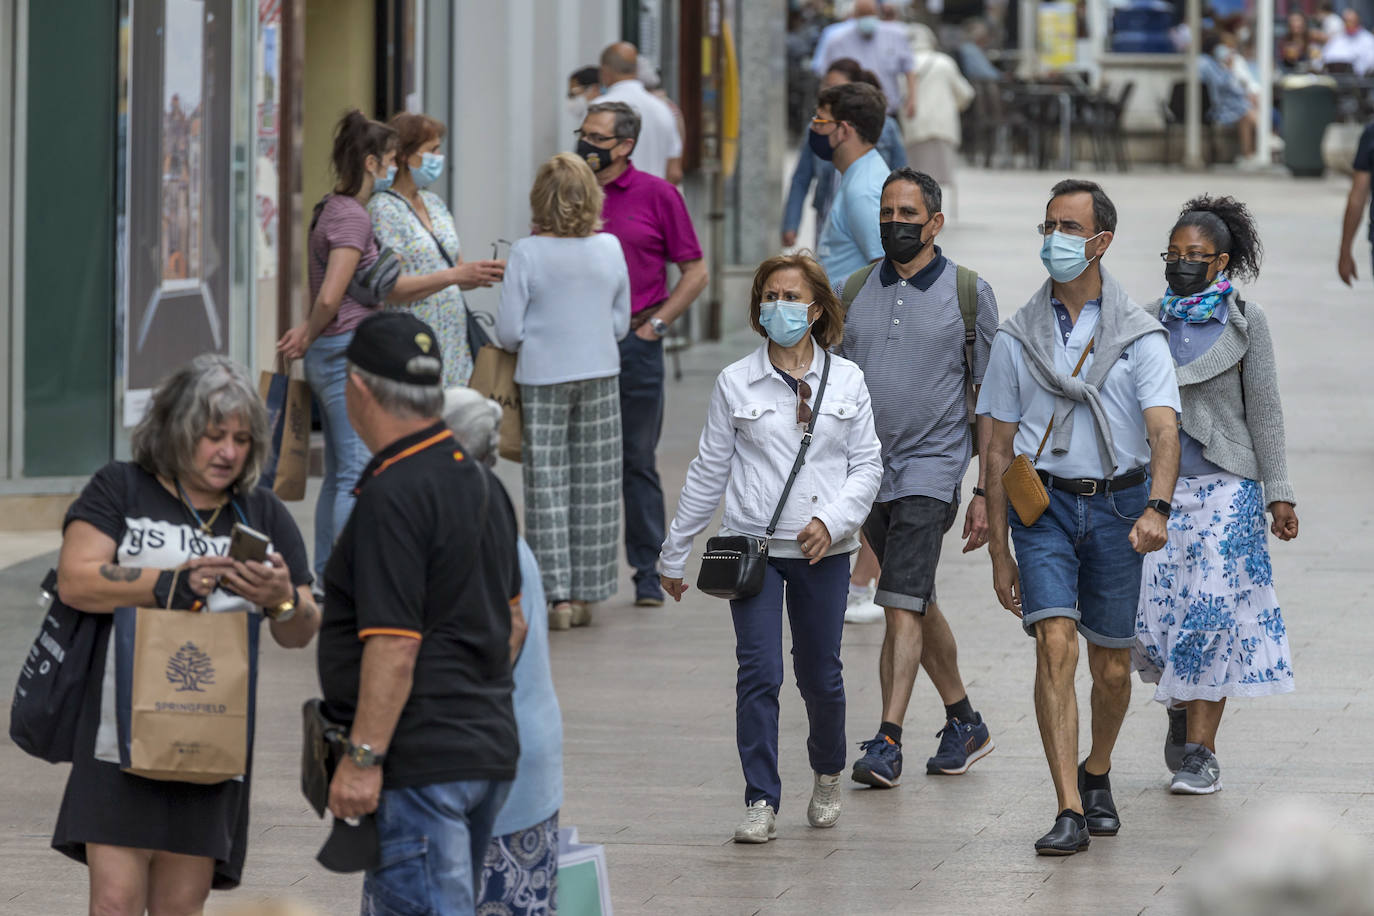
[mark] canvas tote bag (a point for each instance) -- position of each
(288, 420)
(493, 375)
(184, 692)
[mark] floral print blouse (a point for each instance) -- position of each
(399, 228)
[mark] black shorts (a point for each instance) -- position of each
(906, 534)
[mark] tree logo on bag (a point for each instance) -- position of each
(190, 668)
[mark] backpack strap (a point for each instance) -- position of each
(966, 282)
(854, 283)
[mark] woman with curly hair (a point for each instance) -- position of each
(565, 305)
(1209, 625)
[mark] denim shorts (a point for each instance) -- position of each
(906, 534)
(1077, 561)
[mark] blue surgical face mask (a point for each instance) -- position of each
(785, 323)
(431, 167)
(868, 26)
(1063, 256)
(381, 184)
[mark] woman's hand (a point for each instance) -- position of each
(814, 540)
(1285, 525)
(265, 584)
(202, 574)
(673, 586)
(294, 342)
(474, 274)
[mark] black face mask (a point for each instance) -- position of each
(596, 157)
(1184, 278)
(901, 241)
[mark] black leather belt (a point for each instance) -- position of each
(1087, 486)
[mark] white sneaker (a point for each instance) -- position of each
(860, 607)
(824, 809)
(759, 824)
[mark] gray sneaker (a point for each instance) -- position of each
(1200, 773)
(824, 809)
(759, 824)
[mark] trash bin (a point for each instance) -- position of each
(1309, 105)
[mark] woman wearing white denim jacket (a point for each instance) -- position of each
(758, 411)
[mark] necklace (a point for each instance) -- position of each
(205, 524)
(804, 364)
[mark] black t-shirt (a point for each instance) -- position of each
(154, 529)
(417, 558)
(1364, 162)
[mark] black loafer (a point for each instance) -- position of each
(1064, 839)
(1098, 808)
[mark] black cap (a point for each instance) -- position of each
(398, 346)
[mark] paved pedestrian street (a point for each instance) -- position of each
(648, 694)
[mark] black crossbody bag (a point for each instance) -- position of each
(732, 567)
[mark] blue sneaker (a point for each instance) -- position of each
(881, 764)
(961, 743)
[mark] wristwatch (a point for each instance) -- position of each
(979, 491)
(363, 755)
(282, 612)
(1162, 506)
(659, 325)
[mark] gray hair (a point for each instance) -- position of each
(401, 399)
(476, 420)
(203, 393)
(626, 119)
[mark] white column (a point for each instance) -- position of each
(1030, 30)
(1264, 50)
(1192, 148)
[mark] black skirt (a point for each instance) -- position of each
(104, 805)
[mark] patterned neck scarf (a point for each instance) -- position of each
(1197, 308)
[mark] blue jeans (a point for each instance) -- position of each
(1077, 561)
(815, 598)
(433, 840)
(345, 455)
(641, 423)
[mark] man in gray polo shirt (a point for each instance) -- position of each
(906, 330)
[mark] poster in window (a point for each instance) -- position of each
(177, 197)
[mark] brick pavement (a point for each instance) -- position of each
(648, 695)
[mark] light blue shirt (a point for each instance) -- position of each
(1188, 341)
(1143, 377)
(537, 793)
(851, 239)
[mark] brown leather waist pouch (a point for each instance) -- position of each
(1025, 490)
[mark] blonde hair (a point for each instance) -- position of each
(565, 199)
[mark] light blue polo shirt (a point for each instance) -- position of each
(850, 238)
(1143, 377)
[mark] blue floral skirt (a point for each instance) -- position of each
(519, 876)
(1209, 624)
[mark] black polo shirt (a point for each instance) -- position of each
(417, 559)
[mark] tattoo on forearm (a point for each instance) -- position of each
(115, 573)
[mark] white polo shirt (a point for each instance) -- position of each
(658, 137)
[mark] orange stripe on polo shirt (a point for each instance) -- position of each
(514, 601)
(417, 447)
(388, 631)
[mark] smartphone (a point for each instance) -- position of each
(247, 544)
(496, 248)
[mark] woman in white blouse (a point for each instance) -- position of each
(754, 425)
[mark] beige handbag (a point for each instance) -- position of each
(1022, 483)
(493, 375)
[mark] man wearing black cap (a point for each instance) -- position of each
(422, 604)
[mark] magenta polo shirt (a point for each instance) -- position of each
(649, 217)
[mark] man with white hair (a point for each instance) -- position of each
(659, 149)
(415, 653)
(879, 46)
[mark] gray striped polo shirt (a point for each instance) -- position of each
(908, 338)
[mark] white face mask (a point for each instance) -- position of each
(577, 107)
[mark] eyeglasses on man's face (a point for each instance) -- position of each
(593, 137)
(1067, 226)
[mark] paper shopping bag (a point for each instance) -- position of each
(584, 889)
(288, 417)
(493, 374)
(184, 693)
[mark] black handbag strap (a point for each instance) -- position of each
(801, 451)
(437, 244)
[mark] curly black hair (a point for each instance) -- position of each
(1228, 224)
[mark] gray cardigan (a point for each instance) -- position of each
(1243, 436)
